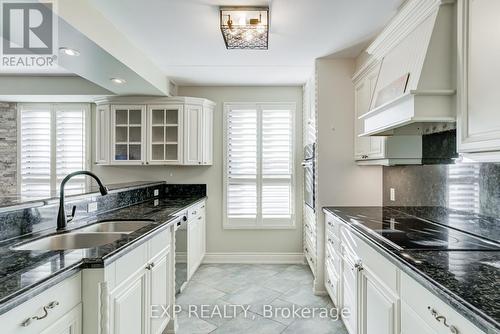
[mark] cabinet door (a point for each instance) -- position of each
(165, 134)
(128, 134)
(379, 306)
(366, 147)
(208, 135)
(102, 129)
(160, 290)
(478, 84)
(70, 323)
(350, 295)
(129, 311)
(193, 133)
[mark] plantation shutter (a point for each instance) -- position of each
(70, 146)
(259, 165)
(35, 150)
(53, 144)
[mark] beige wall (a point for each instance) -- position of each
(218, 239)
(341, 182)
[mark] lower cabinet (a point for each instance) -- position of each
(161, 290)
(381, 298)
(129, 306)
(135, 293)
(70, 323)
(379, 313)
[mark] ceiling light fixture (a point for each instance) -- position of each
(118, 81)
(245, 27)
(69, 51)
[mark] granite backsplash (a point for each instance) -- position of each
(473, 188)
(36, 216)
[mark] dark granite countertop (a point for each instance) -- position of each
(467, 280)
(24, 274)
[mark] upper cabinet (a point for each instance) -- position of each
(478, 118)
(162, 131)
(378, 150)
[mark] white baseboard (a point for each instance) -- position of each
(257, 258)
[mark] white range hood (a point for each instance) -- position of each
(415, 88)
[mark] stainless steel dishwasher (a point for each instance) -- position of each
(181, 253)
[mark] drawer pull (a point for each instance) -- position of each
(194, 213)
(46, 309)
(359, 266)
(199, 218)
(150, 266)
(438, 318)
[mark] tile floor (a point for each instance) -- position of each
(218, 287)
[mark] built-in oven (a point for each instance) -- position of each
(309, 177)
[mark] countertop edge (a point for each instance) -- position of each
(476, 316)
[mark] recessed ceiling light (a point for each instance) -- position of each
(69, 51)
(118, 81)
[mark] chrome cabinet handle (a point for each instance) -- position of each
(150, 266)
(440, 318)
(46, 309)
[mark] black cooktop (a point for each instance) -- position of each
(419, 234)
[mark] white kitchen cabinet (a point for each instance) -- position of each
(382, 298)
(423, 306)
(193, 136)
(364, 87)
(208, 135)
(160, 292)
(129, 306)
(196, 227)
(128, 143)
(380, 305)
(56, 310)
(102, 134)
(129, 294)
(70, 323)
(478, 124)
(156, 131)
(165, 134)
(379, 150)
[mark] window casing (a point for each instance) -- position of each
(259, 168)
(53, 142)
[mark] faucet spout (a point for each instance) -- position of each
(61, 216)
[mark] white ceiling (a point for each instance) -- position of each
(183, 38)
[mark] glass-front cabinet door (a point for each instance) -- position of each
(165, 134)
(128, 134)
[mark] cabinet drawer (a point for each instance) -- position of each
(196, 210)
(159, 243)
(354, 247)
(422, 303)
(67, 294)
(332, 281)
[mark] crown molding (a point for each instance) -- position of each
(411, 15)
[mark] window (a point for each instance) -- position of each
(259, 168)
(52, 144)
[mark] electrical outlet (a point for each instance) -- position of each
(393, 194)
(156, 202)
(92, 207)
(156, 192)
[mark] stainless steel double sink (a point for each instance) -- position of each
(94, 235)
